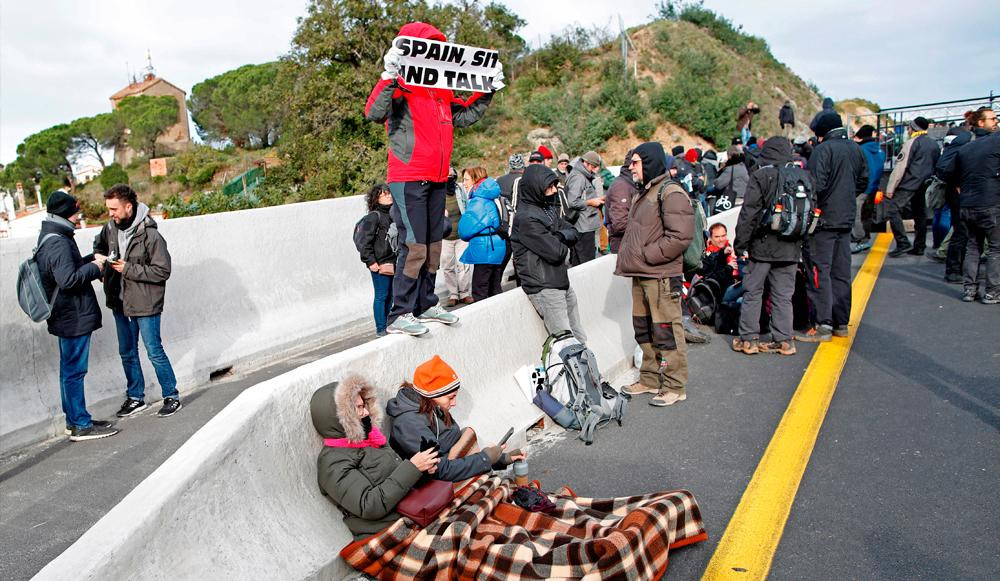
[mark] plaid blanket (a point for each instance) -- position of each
(485, 536)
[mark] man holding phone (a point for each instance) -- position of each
(134, 285)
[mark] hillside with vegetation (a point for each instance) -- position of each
(302, 117)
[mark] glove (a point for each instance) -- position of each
(569, 236)
(498, 78)
(493, 454)
(392, 60)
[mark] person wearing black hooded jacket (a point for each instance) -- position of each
(769, 257)
(542, 241)
(956, 138)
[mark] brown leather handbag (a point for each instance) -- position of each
(426, 500)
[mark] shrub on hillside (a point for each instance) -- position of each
(112, 175)
(197, 165)
(644, 129)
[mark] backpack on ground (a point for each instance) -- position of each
(793, 213)
(391, 235)
(696, 249)
(30, 292)
(506, 209)
(569, 388)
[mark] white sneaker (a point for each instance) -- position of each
(407, 325)
(438, 315)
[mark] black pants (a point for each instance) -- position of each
(584, 250)
(418, 211)
(487, 278)
(830, 254)
(959, 237)
(917, 202)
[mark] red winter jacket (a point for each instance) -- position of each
(420, 121)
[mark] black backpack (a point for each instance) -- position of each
(391, 235)
(506, 208)
(793, 213)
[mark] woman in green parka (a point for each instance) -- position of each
(356, 468)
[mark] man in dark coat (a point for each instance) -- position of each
(786, 116)
(907, 187)
(956, 138)
(839, 171)
(769, 257)
(618, 202)
(75, 312)
(827, 113)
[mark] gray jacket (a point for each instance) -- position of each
(735, 174)
(146, 272)
(579, 189)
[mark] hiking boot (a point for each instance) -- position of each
(953, 279)
(436, 314)
(667, 397)
(95, 423)
(750, 347)
(780, 347)
(169, 408)
(900, 250)
(817, 334)
(692, 334)
(841, 331)
(990, 299)
(468, 300)
(969, 295)
(638, 388)
(860, 247)
(131, 407)
(92, 433)
(407, 325)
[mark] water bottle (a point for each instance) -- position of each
(521, 472)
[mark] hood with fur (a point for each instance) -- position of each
(333, 411)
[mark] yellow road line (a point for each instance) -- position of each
(747, 547)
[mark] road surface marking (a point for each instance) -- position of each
(747, 547)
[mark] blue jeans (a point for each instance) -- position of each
(383, 300)
(745, 136)
(940, 225)
(74, 353)
(129, 330)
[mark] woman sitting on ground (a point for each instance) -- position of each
(420, 415)
(356, 469)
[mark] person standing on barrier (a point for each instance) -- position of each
(75, 312)
(660, 227)
(419, 122)
(135, 282)
(378, 252)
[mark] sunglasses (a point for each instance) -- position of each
(634, 162)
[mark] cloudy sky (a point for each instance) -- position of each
(62, 59)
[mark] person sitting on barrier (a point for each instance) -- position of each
(378, 251)
(542, 242)
(356, 469)
(420, 415)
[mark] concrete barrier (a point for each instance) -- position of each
(240, 498)
(247, 287)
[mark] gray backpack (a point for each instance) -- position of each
(575, 396)
(30, 292)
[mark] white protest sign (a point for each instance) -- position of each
(445, 65)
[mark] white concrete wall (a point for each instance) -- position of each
(246, 288)
(240, 498)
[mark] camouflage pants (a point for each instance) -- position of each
(656, 319)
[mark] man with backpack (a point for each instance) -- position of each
(839, 171)
(582, 204)
(75, 314)
(779, 197)
(660, 228)
(907, 187)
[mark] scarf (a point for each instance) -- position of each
(125, 236)
(375, 440)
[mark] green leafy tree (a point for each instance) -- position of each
(147, 118)
(84, 141)
(113, 175)
(246, 106)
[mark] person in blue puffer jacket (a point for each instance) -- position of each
(875, 157)
(480, 227)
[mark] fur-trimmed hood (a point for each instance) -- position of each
(333, 411)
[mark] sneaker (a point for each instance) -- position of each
(860, 247)
(817, 334)
(780, 347)
(638, 388)
(92, 433)
(900, 250)
(436, 314)
(468, 300)
(990, 299)
(407, 325)
(751, 347)
(841, 331)
(969, 295)
(95, 423)
(380, 333)
(131, 407)
(169, 408)
(953, 279)
(693, 334)
(667, 397)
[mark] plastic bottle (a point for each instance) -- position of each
(521, 472)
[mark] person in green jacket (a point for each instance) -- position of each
(356, 469)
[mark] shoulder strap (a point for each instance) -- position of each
(42, 241)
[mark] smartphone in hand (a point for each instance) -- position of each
(506, 437)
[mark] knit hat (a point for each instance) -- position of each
(677, 151)
(515, 161)
(563, 157)
(62, 204)
(592, 158)
(919, 124)
(545, 152)
(691, 155)
(434, 378)
(710, 154)
(536, 157)
(828, 121)
(865, 132)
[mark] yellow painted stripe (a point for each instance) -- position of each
(747, 547)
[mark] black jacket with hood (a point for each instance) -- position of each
(76, 311)
(365, 482)
(924, 155)
(375, 246)
(763, 244)
(828, 109)
(839, 173)
(410, 427)
(956, 138)
(976, 171)
(540, 250)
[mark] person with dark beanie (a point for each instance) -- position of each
(76, 314)
(907, 187)
(660, 227)
(865, 137)
(839, 171)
